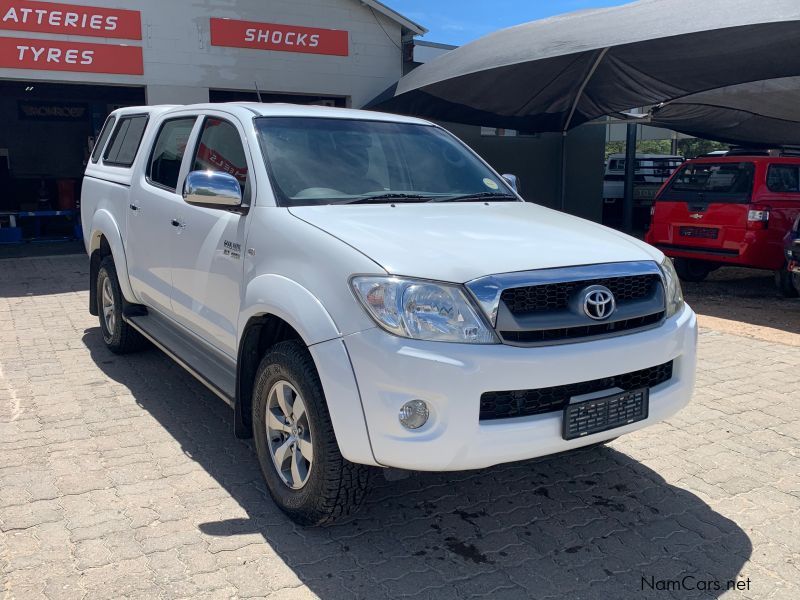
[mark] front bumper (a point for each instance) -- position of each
(451, 378)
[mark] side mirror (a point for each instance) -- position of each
(212, 189)
(513, 181)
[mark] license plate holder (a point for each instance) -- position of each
(584, 417)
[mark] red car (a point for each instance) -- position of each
(728, 210)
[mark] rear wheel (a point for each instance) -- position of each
(692, 270)
(306, 474)
(787, 283)
(119, 337)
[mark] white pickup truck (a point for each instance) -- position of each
(366, 292)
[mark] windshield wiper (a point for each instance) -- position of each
(387, 198)
(475, 197)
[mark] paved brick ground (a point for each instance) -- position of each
(119, 477)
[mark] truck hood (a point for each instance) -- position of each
(460, 242)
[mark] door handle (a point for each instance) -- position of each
(133, 207)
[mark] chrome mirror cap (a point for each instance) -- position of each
(513, 181)
(212, 189)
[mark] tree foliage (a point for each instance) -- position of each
(688, 147)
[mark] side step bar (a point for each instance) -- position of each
(211, 368)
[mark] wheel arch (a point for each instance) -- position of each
(275, 309)
(105, 239)
(260, 333)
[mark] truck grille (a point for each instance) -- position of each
(553, 296)
(582, 331)
(521, 403)
(549, 306)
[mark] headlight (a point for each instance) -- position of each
(422, 310)
(672, 287)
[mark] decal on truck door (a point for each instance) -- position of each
(232, 249)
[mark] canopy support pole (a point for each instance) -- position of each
(563, 200)
(630, 171)
(595, 64)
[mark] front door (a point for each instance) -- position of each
(153, 223)
(207, 261)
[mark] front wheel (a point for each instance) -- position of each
(787, 283)
(692, 270)
(306, 474)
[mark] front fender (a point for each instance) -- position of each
(290, 301)
(104, 225)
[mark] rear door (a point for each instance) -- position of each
(154, 214)
(207, 260)
(780, 195)
(705, 206)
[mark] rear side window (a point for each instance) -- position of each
(125, 142)
(712, 182)
(168, 151)
(783, 178)
(101, 141)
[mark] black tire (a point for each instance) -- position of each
(120, 337)
(692, 270)
(334, 487)
(796, 282)
(786, 283)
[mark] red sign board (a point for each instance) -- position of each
(285, 38)
(70, 19)
(52, 55)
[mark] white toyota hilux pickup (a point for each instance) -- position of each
(366, 292)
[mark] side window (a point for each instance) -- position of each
(783, 178)
(220, 149)
(168, 151)
(103, 138)
(125, 142)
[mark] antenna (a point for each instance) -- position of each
(258, 93)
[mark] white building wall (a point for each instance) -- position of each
(180, 65)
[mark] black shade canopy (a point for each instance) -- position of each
(554, 74)
(760, 113)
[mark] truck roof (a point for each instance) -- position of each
(756, 158)
(256, 109)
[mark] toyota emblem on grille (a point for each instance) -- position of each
(598, 302)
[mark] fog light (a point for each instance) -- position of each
(414, 414)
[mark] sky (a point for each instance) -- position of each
(461, 21)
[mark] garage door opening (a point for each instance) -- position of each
(47, 135)
(252, 96)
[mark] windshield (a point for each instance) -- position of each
(717, 182)
(338, 161)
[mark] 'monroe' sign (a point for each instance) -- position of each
(272, 36)
(70, 19)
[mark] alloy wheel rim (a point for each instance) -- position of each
(289, 434)
(107, 302)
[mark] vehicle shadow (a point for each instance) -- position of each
(744, 295)
(42, 276)
(592, 523)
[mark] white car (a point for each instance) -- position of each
(366, 292)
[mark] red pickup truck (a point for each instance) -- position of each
(729, 210)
